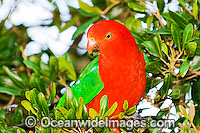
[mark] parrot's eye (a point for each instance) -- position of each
(108, 35)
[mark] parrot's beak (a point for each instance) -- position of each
(92, 46)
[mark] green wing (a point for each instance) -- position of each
(88, 84)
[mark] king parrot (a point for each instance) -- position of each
(118, 72)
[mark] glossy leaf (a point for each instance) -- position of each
(11, 91)
(80, 108)
(158, 44)
(165, 49)
(190, 49)
(181, 21)
(43, 103)
(187, 34)
(195, 63)
(131, 110)
(52, 94)
(111, 110)
(125, 105)
(149, 21)
(153, 67)
(66, 68)
(185, 87)
(70, 101)
(14, 77)
(103, 105)
(149, 45)
(166, 86)
(160, 5)
(176, 34)
(38, 83)
(184, 68)
(195, 9)
(32, 66)
(175, 94)
(7, 82)
(83, 27)
(27, 105)
(88, 8)
(164, 31)
(93, 113)
(136, 7)
(53, 67)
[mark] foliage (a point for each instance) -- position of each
(172, 49)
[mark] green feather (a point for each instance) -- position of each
(88, 84)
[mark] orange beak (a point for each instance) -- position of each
(92, 46)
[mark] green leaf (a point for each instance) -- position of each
(14, 77)
(187, 33)
(165, 48)
(176, 34)
(83, 27)
(43, 103)
(149, 45)
(7, 82)
(70, 101)
(195, 63)
(163, 31)
(53, 67)
(166, 86)
(121, 115)
(184, 68)
(131, 110)
(195, 9)
(27, 105)
(93, 113)
(185, 87)
(63, 111)
(136, 7)
(38, 83)
(111, 110)
(149, 21)
(153, 67)
(103, 105)
(71, 114)
(178, 19)
(158, 43)
(52, 94)
(190, 49)
(125, 105)
(88, 8)
(11, 91)
(85, 113)
(32, 66)
(67, 68)
(160, 5)
(175, 94)
(80, 108)
(133, 24)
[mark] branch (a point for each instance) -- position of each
(110, 7)
(10, 102)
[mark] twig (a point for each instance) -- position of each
(157, 14)
(9, 103)
(188, 78)
(109, 7)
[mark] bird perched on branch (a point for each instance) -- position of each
(118, 72)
